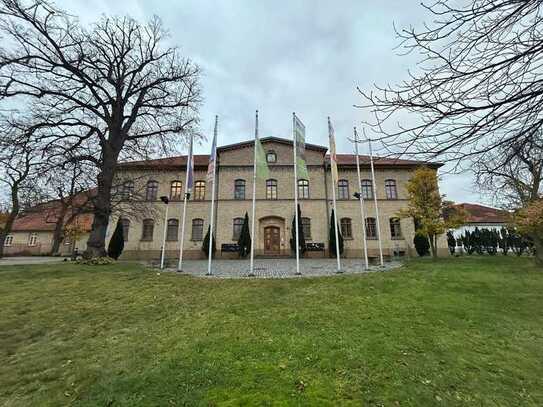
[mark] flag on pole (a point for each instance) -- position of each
(190, 170)
(299, 133)
(261, 164)
(333, 157)
(212, 157)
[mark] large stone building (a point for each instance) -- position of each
(146, 181)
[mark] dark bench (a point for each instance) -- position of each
(314, 247)
(229, 248)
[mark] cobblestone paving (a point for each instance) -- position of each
(278, 268)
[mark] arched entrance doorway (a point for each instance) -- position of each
(272, 240)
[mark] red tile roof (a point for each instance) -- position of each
(42, 217)
(483, 214)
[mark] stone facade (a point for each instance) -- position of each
(235, 162)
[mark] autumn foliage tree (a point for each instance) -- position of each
(426, 205)
(529, 221)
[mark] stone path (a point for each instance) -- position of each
(19, 260)
(278, 268)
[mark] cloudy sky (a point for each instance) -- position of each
(279, 57)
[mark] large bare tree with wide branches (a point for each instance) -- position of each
(102, 93)
(476, 88)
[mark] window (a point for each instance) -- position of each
(32, 239)
(176, 191)
(127, 190)
(271, 157)
(390, 189)
(306, 228)
(199, 190)
(236, 230)
(271, 189)
(343, 189)
(197, 229)
(371, 228)
(346, 228)
(239, 189)
(152, 191)
(147, 229)
(8, 240)
(366, 188)
(303, 189)
(173, 230)
(395, 228)
(126, 227)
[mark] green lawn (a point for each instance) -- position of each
(463, 331)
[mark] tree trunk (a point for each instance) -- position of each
(432, 239)
(11, 217)
(96, 244)
(538, 245)
(57, 233)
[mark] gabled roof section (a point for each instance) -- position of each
(278, 140)
(483, 214)
(350, 159)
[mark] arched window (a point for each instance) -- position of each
(127, 190)
(343, 189)
(366, 188)
(346, 228)
(126, 228)
(371, 228)
(197, 229)
(271, 189)
(147, 229)
(173, 230)
(237, 224)
(199, 190)
(303, 189)
(395, 228)
(271, 157)
(306, 228)
(8, 241)
(239, 189)
(151, 192)
(176, 191)
(390, 189)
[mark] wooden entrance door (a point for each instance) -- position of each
(272, 240)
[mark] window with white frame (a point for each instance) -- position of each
(33, 239)
(8, 241)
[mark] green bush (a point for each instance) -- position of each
(422, 245)
(96, 261)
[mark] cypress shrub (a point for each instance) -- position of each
(422, 245)
(301, 239)
(116, 243)
(205, 244)
(332, 242)
(244, 240)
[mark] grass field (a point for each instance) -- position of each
(463, 331)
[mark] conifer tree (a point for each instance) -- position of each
(244, 240)
(116, 243)
(451, 242)
(301, 239)
(332, 242)
(205, 244)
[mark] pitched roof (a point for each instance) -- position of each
(350, 159)
(483, 214)
(42, 217)
(201, 160)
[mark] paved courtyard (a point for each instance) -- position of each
(21, 260)
(278, 268)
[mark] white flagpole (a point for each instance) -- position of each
(253, 241)
(296, 195)
(334, 186)
(180, 264)
(162, 255)
(374, 186)
(362, 215)
(211, 222)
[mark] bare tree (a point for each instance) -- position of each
(18, 159)
(101, 94)
(512, 174)
(478, 84)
